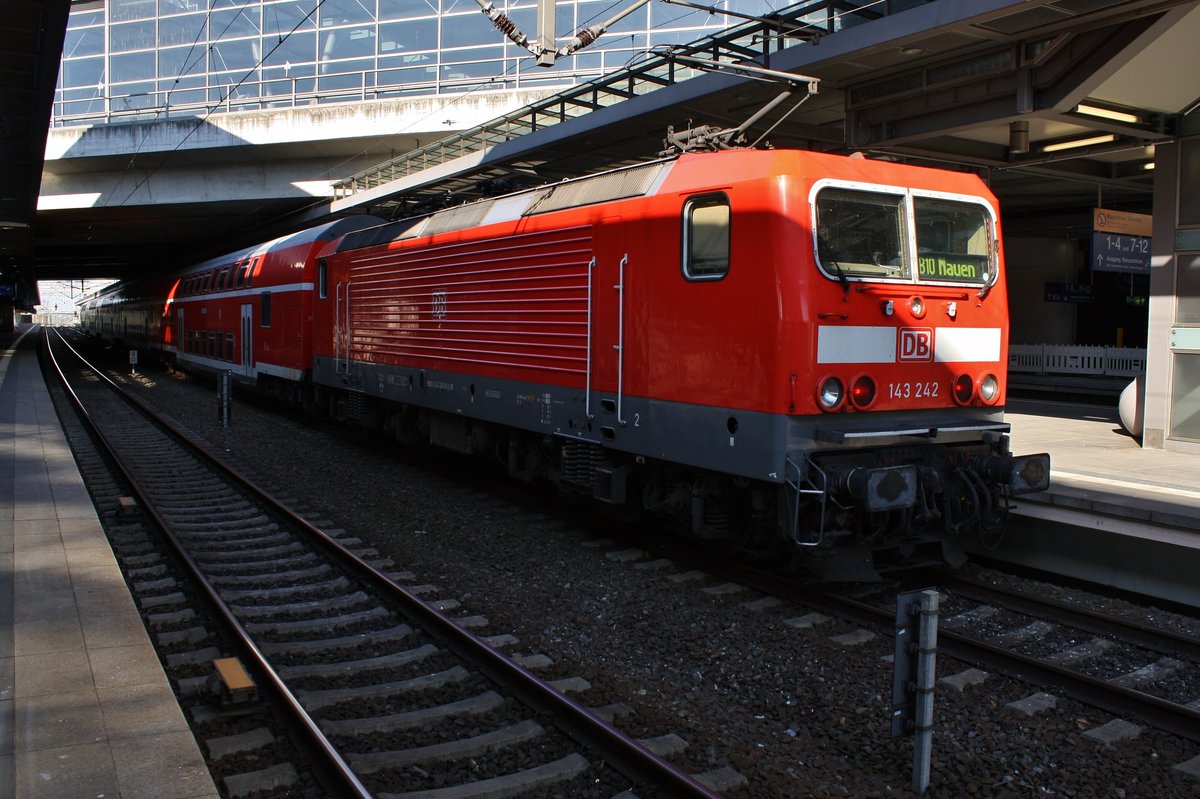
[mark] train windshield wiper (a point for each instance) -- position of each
(845, 281)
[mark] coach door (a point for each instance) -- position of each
(248, 340)
(180, 341)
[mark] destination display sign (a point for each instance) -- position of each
(1080, 293)
(1111, 253)
(939, 266)
(1121, 222)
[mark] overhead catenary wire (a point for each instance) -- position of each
(212, 107)
(440, 109)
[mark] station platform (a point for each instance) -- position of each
(85, 708)
(1115, 513)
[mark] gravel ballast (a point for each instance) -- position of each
(797, 709)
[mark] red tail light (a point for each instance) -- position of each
(964, 389)
(862, 391)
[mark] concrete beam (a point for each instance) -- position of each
(423, 117)
(293, 153)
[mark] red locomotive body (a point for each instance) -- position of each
(829, 330)
(751, 342)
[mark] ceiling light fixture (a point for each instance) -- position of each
(1107, 113)
(1074, 143)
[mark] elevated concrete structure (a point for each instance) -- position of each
(225, 174)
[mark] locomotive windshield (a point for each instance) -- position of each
(869, 234)
(860, 233)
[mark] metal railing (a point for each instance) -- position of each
(1076, 360)
(286, 93)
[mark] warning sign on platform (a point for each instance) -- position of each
(1121, 222)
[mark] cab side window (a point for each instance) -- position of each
(706, 223)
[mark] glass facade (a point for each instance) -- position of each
(131, 59)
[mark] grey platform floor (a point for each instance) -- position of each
(85, 709)
(1097, 467)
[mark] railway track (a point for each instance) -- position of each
(389, 694)
(1119, 665)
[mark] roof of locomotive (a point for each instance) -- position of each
(617, 184)
(675, 173)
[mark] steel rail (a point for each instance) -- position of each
(1165, 715)
(1093, 621)
(621, 751)
(315, 744)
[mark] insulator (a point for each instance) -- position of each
(506, 25)
(586, 37)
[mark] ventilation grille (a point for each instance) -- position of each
(459, 218)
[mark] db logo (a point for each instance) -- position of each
(916, 344)
(439, 304)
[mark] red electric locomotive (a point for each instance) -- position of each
(774, 341)
(766, 344)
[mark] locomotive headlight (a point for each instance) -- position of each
(831, 394)
(917, 306)
(989, 389)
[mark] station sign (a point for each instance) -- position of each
(1120, 253)
(8, 290)
(1121, 222)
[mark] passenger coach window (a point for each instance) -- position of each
(241, 274)
(861, 233)
(954, 241)
(264, 313)
(706, 237)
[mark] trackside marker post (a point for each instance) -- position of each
(913, 675)
(224, 397)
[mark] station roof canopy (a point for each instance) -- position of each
(1057, 104)
(1054, 103)
(31, 38)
